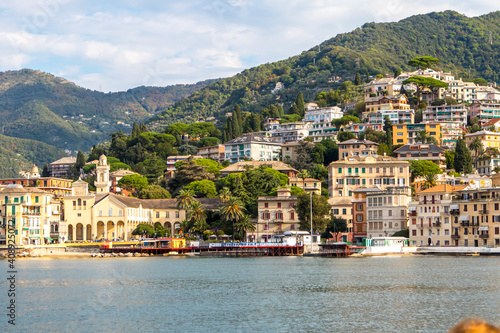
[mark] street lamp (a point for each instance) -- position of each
(311, 196)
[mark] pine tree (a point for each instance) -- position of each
(45, 171)
(143, 128)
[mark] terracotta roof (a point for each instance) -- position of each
(297, 179)
(207, 203)
(240, 166)
(491, 122)
(340, 201)
(444, 188)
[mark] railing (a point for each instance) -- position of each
(465, 223)
(484, 211)
(436, 224)
(455, 236)
(445, 213)
(486, 235)
(413, 213)
(455, 211)
(353, 174)
(31, 213)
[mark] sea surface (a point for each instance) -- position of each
(271, 294)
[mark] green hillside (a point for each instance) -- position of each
(20, 154)
(461, 43)
(40, 106)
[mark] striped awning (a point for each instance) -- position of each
(484, 228)
(454, 207)
(463, 218)
(412, 208)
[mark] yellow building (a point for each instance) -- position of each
(276, 215)
(403, 134)
(356, 147)
(29, 211)
(307, 184)
(91, 216)
(397, 102)
(488, 138)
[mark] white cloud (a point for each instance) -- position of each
(118, 45)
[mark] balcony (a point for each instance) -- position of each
(484, 211)
(353, 174)
(436, 224)
(32, 213)
(484, 236)
(465, 223)
(445, 213)
(413, 213)
(455, 236)
(455, 211)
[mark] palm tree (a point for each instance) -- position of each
(196, 212)
(304, 174)
(430, 180)
(232, 211)
(245, 225)
(200, 226)
(421, 136)
(477, 146)
(185, 199)
(225, 194)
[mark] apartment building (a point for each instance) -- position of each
(381, 87)
(451, 131)
(216, 153)
(445, 112)
(396, 102)
(323, 131)
(323, 115)
(487, 164)
(395, 116)
(61, 167)
(488, 138)
(307, 184)
(407, 133)
(485, 111)
(275, 215)
(253, 146)
(477, 219)
(288, 132)
(422, 152)
(29, 211)
(355, 147)
(433, 216)
(387, 211)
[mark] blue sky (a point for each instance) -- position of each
(117, 45)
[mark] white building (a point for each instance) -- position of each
(396, 116)
(387, 211)
(289, 132)
(446, 113)
(323, 115)
(253, 146)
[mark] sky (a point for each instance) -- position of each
(117, 45)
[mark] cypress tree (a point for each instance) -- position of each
(357, 79)
(135, 130)
(143, 128)
(280, 111)
(463, 158)
(388, 131)
(300, 104)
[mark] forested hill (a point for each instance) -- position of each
(40, 106)
(20, 154)
(465, 46)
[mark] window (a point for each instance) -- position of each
(336, 211)
(465, 208)
(266, 205)
(110, 211)
(292, 216)
(292, 227)
(340, 170)
(157, 215)
(279, 204)
(177, 214)
(120, 212)
(359, 207)
(414, 232)
(359, 217)
(344, 211)
(167, 215)
(100, 213)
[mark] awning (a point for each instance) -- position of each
(463, 218)
(34, 237)
(454, 207)
(48, 238)
(412, 208)
(483, 228)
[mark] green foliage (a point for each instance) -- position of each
(345, 120)
(133, 182)
(290, 118)
(344, 136)
(320, 210)
(187, 172)
(480, 81)
(88, 168)
(319, 171)
(335, 225)
(423, 62)
(211, 165)
(144, 229)
(281, 176)
(202, 188)
(454, 173)
(295, 190)
(384, 149)
(402, 233)
(420, 168)
(152, 168)
(154, 192)
(117, 166)
(463, 160)
(373, 135)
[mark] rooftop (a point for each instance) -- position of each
(419, 147)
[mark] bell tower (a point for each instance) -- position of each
(102, 183)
